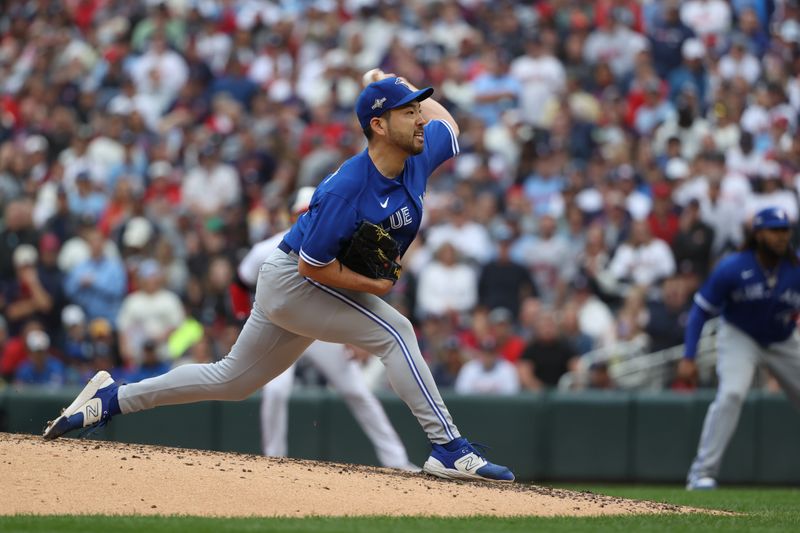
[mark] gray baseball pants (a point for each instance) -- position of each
(737, 359)
(289, 312)
(344, 376)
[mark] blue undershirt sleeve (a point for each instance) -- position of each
(694, 327)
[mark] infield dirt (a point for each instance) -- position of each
(71, 476)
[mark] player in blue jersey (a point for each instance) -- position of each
(304, 292)
(757, 293)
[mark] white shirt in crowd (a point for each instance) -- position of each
(210, 189)
(444, 288)
(747, 67)
(474, 378)
(643, 264)
(617, 47)
(163, 73)
(146, 316)
(542, 79)
(471, 240)
(706, 17)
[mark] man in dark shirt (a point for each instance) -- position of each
(548, 357)
(502, 282)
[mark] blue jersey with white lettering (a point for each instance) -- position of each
(357, 191)
(739, 290)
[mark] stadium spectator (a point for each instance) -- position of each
(147, 316)
(151, 364)
(17, 230)
(495, 90)
(548, 357)
(487, 373)
(27, 297)
(691, 77)
(501, 328)
(97, 284)
(40, 366)
(470, 239)
(502, 282)
(614, 42)
(593, 317)
(447, 363)
(667, 35)
(709, 19)
(663, 220)
(600, 377)
(75, 345)
(666, 315)
(579, 341)
(546, 255)
(739, 62)
(643, 259)
(103, 348)
(542, 79)
(692, 243)
(446, 285)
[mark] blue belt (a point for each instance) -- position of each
(285, 248)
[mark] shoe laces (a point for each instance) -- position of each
(479, 448)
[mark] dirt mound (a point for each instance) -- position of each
(70, 476)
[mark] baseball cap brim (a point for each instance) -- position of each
(416, 96)
(772, 224)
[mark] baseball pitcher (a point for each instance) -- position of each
(332, 360)
(325, 281)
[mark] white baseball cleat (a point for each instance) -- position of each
(463, 462)
(90, 408)
(702, 483)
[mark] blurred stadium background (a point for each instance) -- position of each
(611, 153)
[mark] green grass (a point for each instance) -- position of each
(762, 509)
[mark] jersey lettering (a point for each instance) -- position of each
(791, 298)
(748, 293)
(400, 218)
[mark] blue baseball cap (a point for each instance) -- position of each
(380, 96)
(771, 217)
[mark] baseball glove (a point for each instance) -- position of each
(372, 252)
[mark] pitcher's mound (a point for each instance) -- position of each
(69, 476)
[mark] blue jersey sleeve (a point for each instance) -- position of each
(694, 328)
(441, 143)
(331, 221)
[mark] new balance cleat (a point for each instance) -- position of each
(91, 408)
(464, 462)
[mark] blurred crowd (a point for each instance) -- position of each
(611, 152)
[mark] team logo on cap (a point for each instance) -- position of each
(378, 103)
